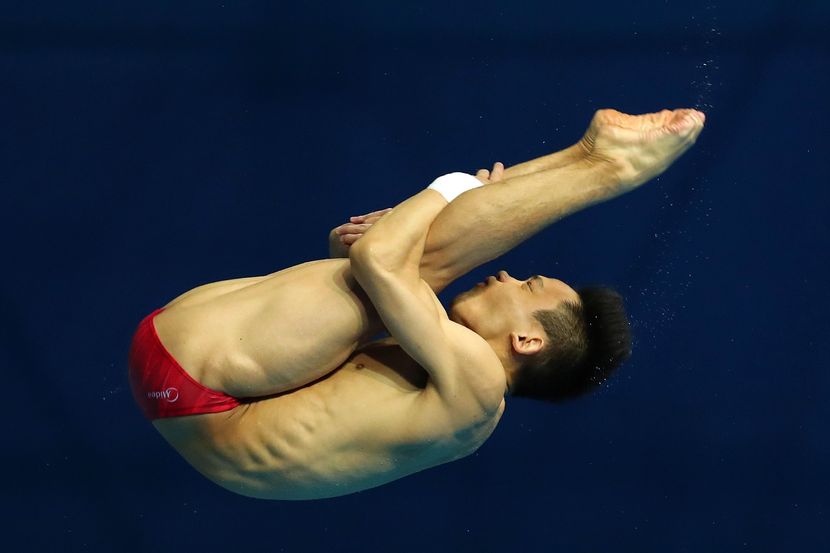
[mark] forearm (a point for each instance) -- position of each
(397, 241)
(484, 223)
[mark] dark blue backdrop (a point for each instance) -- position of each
(150, 147)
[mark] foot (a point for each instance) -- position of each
(640, 147)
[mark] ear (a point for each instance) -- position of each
(526, 343)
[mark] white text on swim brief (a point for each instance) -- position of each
(170, 394)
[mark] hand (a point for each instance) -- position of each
(489, 177)
(350, 232)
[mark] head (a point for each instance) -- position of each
(554, 342)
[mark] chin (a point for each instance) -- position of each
(455, 312)
(452, 314)
(463, 308)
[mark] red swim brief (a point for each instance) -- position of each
(161, 387)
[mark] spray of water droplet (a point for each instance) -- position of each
(707, 26)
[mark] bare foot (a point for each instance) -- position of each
(641, 146)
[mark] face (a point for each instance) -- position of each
(502, 304)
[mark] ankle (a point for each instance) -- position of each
(609, 173)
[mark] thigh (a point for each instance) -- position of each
(270, 334)
(206, 292)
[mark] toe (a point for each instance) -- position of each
(682, 119)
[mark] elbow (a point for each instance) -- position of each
(360, 252)
(367, 266)
(364, 256)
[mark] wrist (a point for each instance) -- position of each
(609, 171)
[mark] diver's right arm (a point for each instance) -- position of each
(343, 236)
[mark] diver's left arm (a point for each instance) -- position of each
(385, 262)
(396, 241)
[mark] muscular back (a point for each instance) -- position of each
(375, 419)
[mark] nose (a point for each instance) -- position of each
(502, 276)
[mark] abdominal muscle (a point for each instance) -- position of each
(364, 425)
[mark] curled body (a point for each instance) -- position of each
(328, 412)
(373, 420)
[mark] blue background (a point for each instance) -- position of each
(151, 147)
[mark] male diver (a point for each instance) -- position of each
(270, 385)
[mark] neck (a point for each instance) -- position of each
(509, 361)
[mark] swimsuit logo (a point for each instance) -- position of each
(170, 394)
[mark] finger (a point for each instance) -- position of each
(498, 171)
(349, 239)
(483, 174)
(352, 229)
(378, 213)
(372, 218)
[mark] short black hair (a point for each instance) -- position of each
(587, 341)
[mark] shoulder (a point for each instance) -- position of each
(479, 374)
(479, 382)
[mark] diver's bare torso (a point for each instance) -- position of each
(371, 418)
(372, 421)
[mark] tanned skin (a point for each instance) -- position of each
(332, 412)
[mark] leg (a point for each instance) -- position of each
(545, 163)
(618, 153)
(266, 335)
(279, 332)
(484, 223)
(255, 337)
